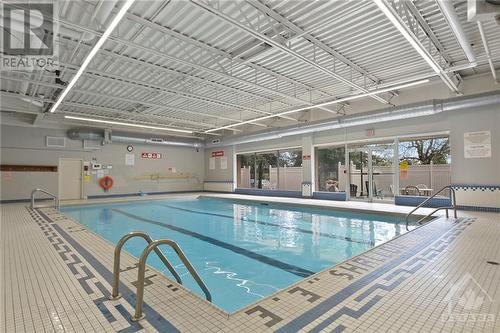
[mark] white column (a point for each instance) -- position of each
(308, 165)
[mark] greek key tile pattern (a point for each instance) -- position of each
(57, 274)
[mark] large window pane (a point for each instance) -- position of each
(246, 171)
(425, 165)
(330, 169)
(290, 170)
(265, 164)
(270, 170)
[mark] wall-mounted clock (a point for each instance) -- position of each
(130, 148)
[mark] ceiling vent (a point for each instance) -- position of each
(483, 10)
(55, 141)
(91, 144)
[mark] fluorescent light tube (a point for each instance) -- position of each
(92, 53)
(389, 13)
(340, 100)
(127, 124)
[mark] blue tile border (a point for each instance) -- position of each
(480, 209)
(411, 200)
(337, 196)
(474, 187)
(138, 194)
(269, 193)
(219, 181)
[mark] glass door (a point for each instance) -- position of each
(383, 171)
(358, 173)
(371, 172)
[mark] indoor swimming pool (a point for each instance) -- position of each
(243, 250)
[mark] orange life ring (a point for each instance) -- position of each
(106, 182)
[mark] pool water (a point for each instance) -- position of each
(243, 250)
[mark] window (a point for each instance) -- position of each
(246, 174)
(425, 165)
(290, 170)
(280, 169)
(330, 164)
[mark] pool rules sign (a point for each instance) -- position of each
(477, 144)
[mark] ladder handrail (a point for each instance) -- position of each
(142, 272)
(116, 265)
(53, 196)
(453, 205)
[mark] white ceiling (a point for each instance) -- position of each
(202, 65)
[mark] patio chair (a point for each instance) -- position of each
(411, 190)
(422, 186)
(354, 190)
(378, 193)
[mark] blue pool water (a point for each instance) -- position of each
(243, 250)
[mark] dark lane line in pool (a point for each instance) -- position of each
(305, 231)
(236, 249)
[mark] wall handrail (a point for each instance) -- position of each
(142, 272)
(453, 206)
(53, 196)
(116, 263)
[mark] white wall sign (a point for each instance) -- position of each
(129, 159)
(477, 144)
(211, 163)
(223, 163)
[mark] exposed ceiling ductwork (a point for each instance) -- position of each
(99, 135)
(404, 112)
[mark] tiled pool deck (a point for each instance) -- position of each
(56, 277)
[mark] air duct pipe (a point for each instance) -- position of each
(404, 112)
(449, 12)
(128, 139)
(98, 135)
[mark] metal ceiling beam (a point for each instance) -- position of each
(160, 68)
(123, 99)
(190, 64)
(153, 87)
(301, 33)
(425, 26)
(191, 40)
(487, 50)
(283, 48)
(105, 109)
(407, 32)
(448, 10)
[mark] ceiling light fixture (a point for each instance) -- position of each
(92, 53)
(340, 100)
(127, 124)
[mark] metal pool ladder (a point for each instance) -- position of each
(453, 206)
(152, 246)
(53, 196)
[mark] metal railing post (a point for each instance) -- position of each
(453, 205)
(116, 263)
(142, 272)
(53, 196)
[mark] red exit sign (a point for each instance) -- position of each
(218, 153)
(154, 156)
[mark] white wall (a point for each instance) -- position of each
(26, 146)
(468, 171)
